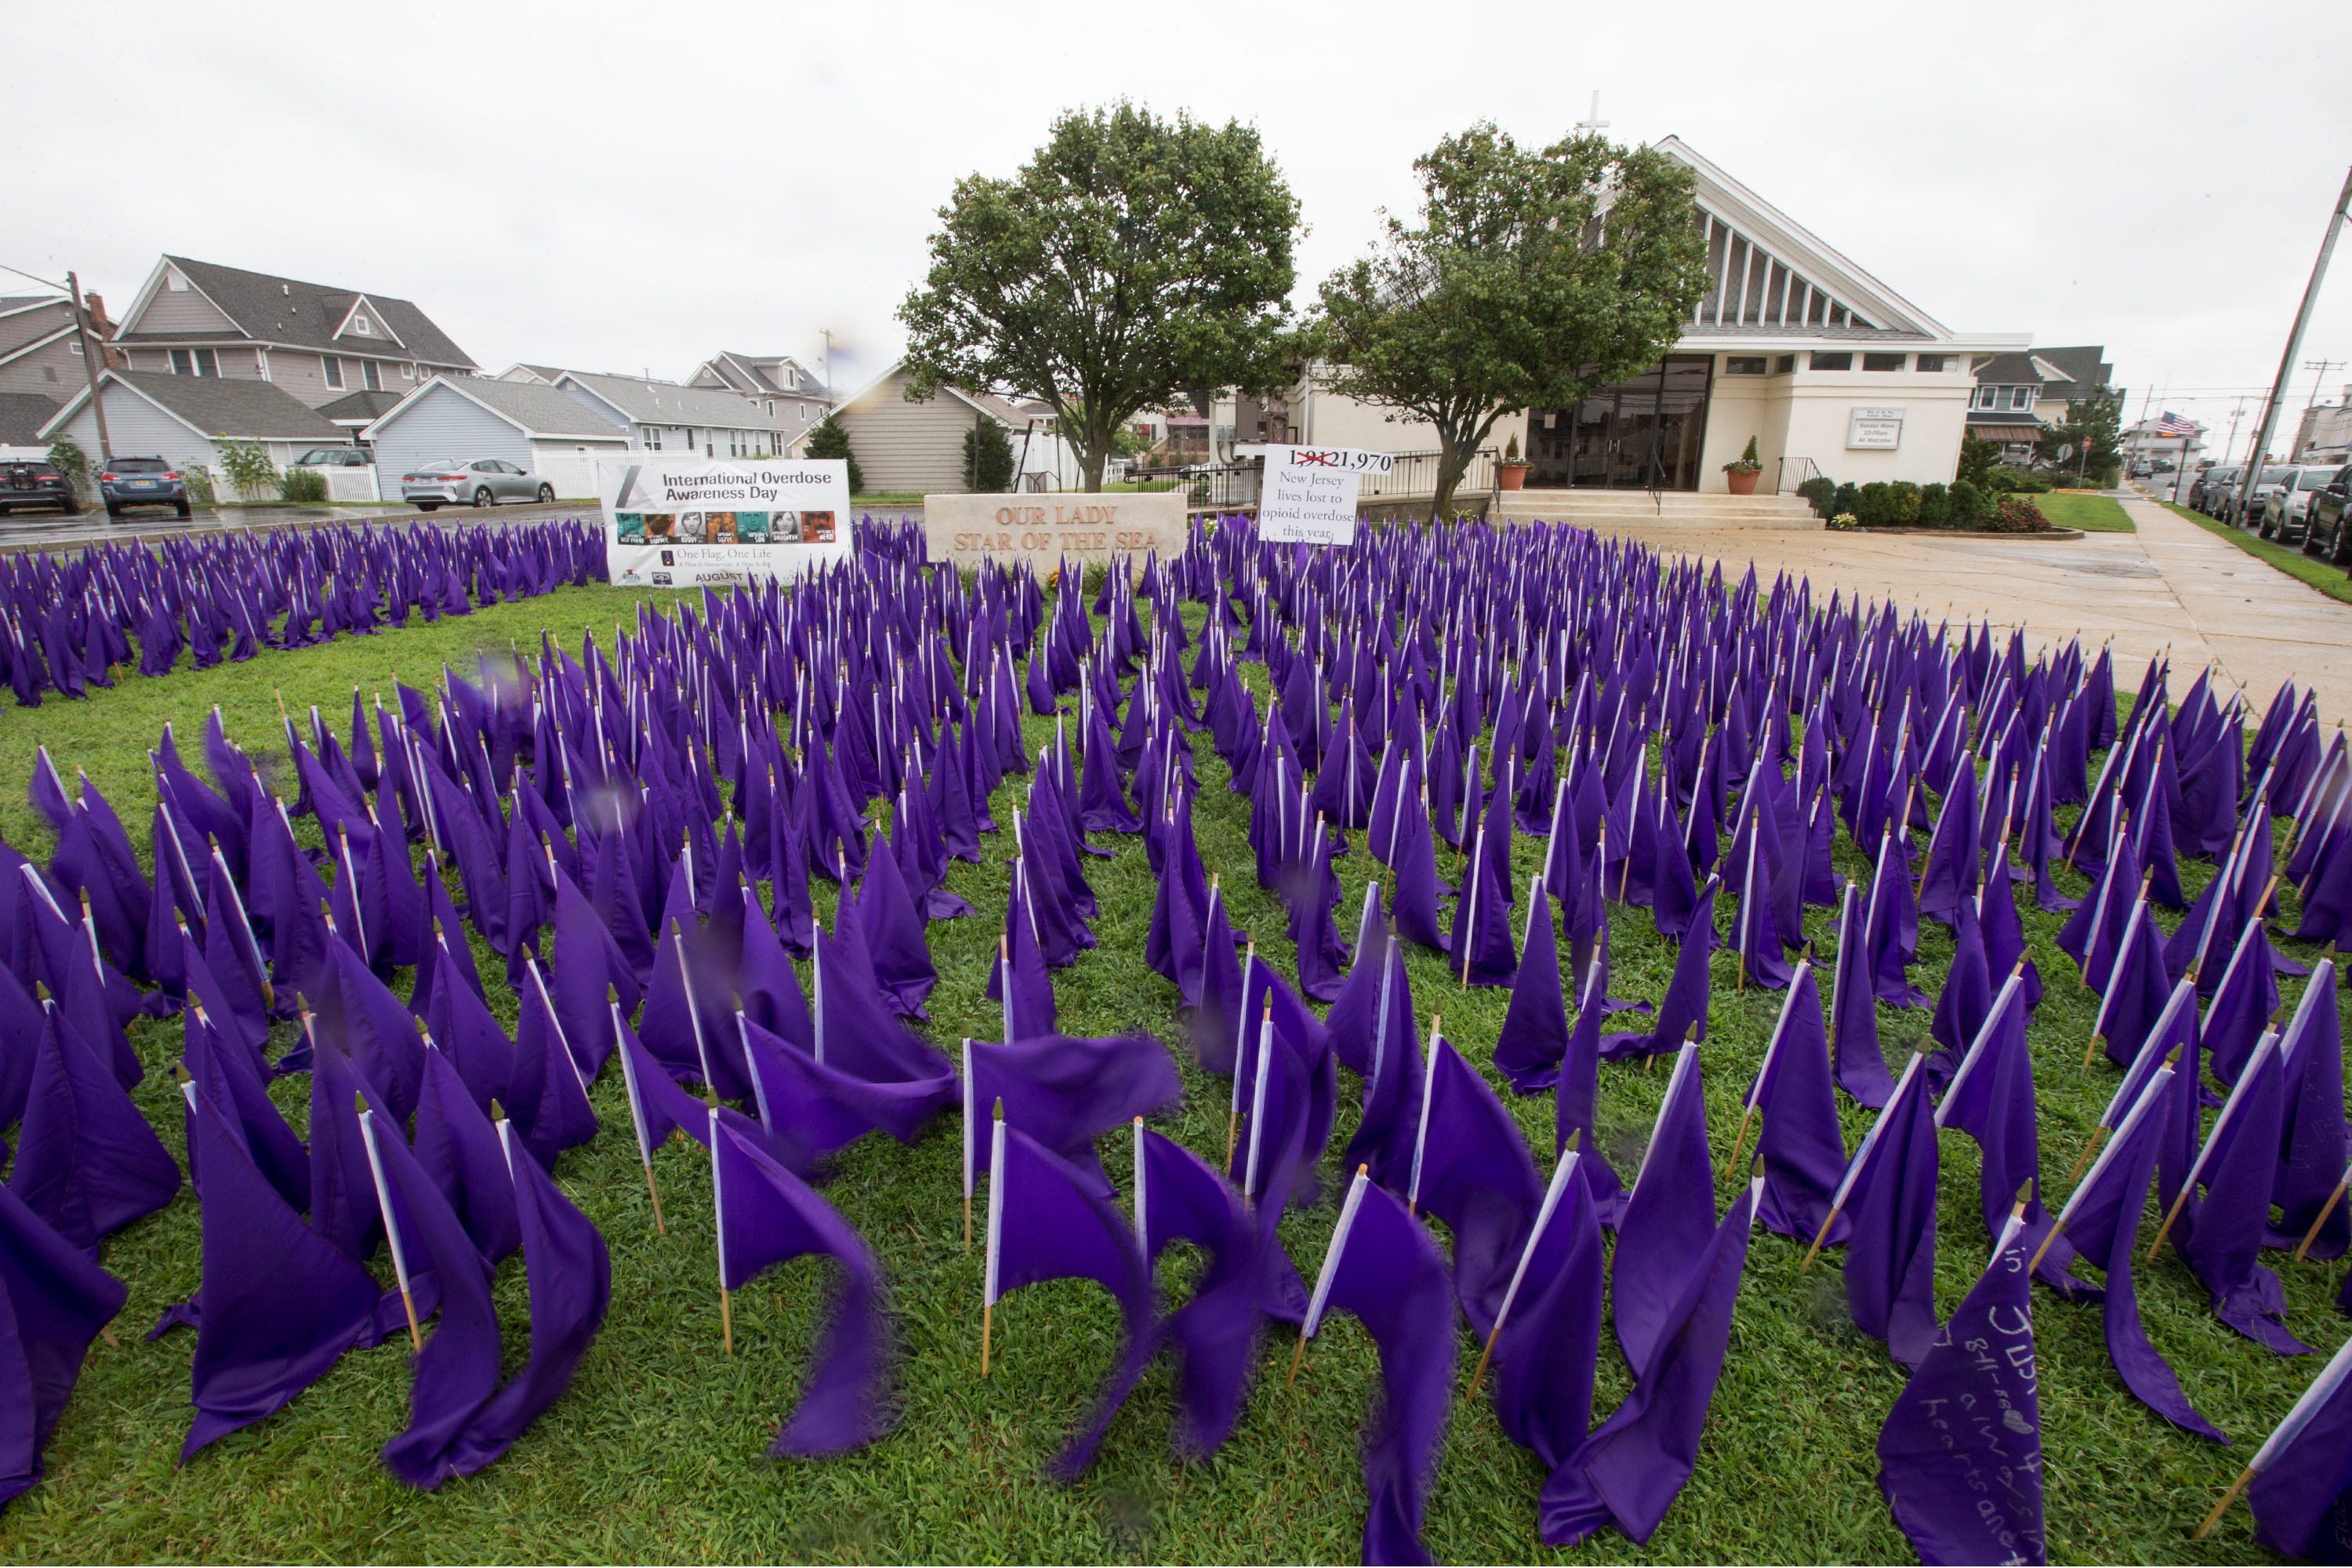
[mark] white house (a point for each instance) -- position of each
(668, 417)
(918, 448)
(541, 429)
(1828, 369)
(182, 418)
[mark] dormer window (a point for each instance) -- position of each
(363, 326)
(2020, 397)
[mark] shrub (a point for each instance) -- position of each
(1903, 503)
(1935, 507)
(1844, 522)
(2017, 515)
(2009, 481)
(1511, 448)
(1875, 504)
(1967, 505)
(828, 439)
(1847, 499)
(249, 468)
(1747, 462)
(1821, 491)
(67, 457)
(202, 491)
(987, 459)
(303, 487)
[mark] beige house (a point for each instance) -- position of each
(918, 448)
(1825, 366)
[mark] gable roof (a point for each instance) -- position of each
(1003, 410)
(668, 402)
(2072, 372)
(215, 407)
(533, 409)
(287, 312)
(22, 415)
(359, 408)
(763, 376)
(1773, 236)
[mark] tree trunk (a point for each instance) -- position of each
(1094, 452)
(1453, 462)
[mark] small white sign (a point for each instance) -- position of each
(1874, 429)
(677, 522)
(1310, 492)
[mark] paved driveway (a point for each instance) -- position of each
(2170, 585)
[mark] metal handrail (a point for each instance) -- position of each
(1781, 485)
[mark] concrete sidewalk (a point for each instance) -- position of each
(2170, 585)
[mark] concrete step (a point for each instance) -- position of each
(1672, 509)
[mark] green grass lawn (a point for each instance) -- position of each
(2085, 509)
(2290, 559)
(657, 1452)
(889, 498)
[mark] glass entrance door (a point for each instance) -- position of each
(1641, 434)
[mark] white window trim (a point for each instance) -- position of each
(331, 372)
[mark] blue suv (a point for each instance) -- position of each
(142, 481)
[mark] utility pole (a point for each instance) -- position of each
(826, 333)
(2235, 415)
(90, 369)
(2318, 381)
(2293, 345)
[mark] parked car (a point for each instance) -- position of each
(2287, 509)
(2325, 531)
(476, 481)
(141, 481)
(28, 484)
(2247, 512)
(334, 457)
(2213, 484)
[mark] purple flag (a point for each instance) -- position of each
(1859, 1061)
(768, 1215)
(1179, 1196)
(87, 1161)
(1392, 1081)
(53, 1303)
(1632, 1466)
(1384, 1268)
(2301, 1492)
(855, 1034)
(1961, 1456)
(1802, 1150)
(1048, 1220)
(1019, 983)
(570, 1277)
(279, 1305)
(1535, 1034)
(457, 1371)
(1890, 1195)
(1683, 1014)
(1580, 1087)
(1548, 1339)
(1990, 1098)
(461, 1023)
(1668, 1216)
(2315, 1140)
(1063, 1092)
(894, 934)
(2220, 1237)
(458, 1147)
(547, 1095)
(1470, 1169)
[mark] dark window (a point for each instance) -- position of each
(195, 361)
(1883, 361)
(1784, 365)
(1743, 365)
(1832, 360)
(372, 375)
(333, 368)
(1935, 361)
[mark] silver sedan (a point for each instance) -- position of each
(471, 481)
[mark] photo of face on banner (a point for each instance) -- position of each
(689, 528)
(751, 528)
(719, 527)
(817, 528)
(631, 526)
(784, 528)
(661, 527)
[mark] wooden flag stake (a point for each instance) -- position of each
(2325, 1210)
(2090, 1151)
(2213, 1519)
(1738, 1140)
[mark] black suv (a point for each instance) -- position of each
(142, 481)
(36, 484)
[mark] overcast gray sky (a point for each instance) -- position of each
(627, 188)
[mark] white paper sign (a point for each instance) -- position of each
(1309, 496)
(1874, 429)
(677, 522)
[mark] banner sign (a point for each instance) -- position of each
(1309, 494)
(678, 523)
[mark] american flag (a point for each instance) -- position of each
(2170, 423)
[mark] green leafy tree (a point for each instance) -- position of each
(67, 457)
(2093, 427)
(1130, 258)
(828, 439)
(246, 467)
(1531, 279)
(987, 459)
(1979, 458)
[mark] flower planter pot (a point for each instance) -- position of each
(1742, 481)
(1510, 476)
